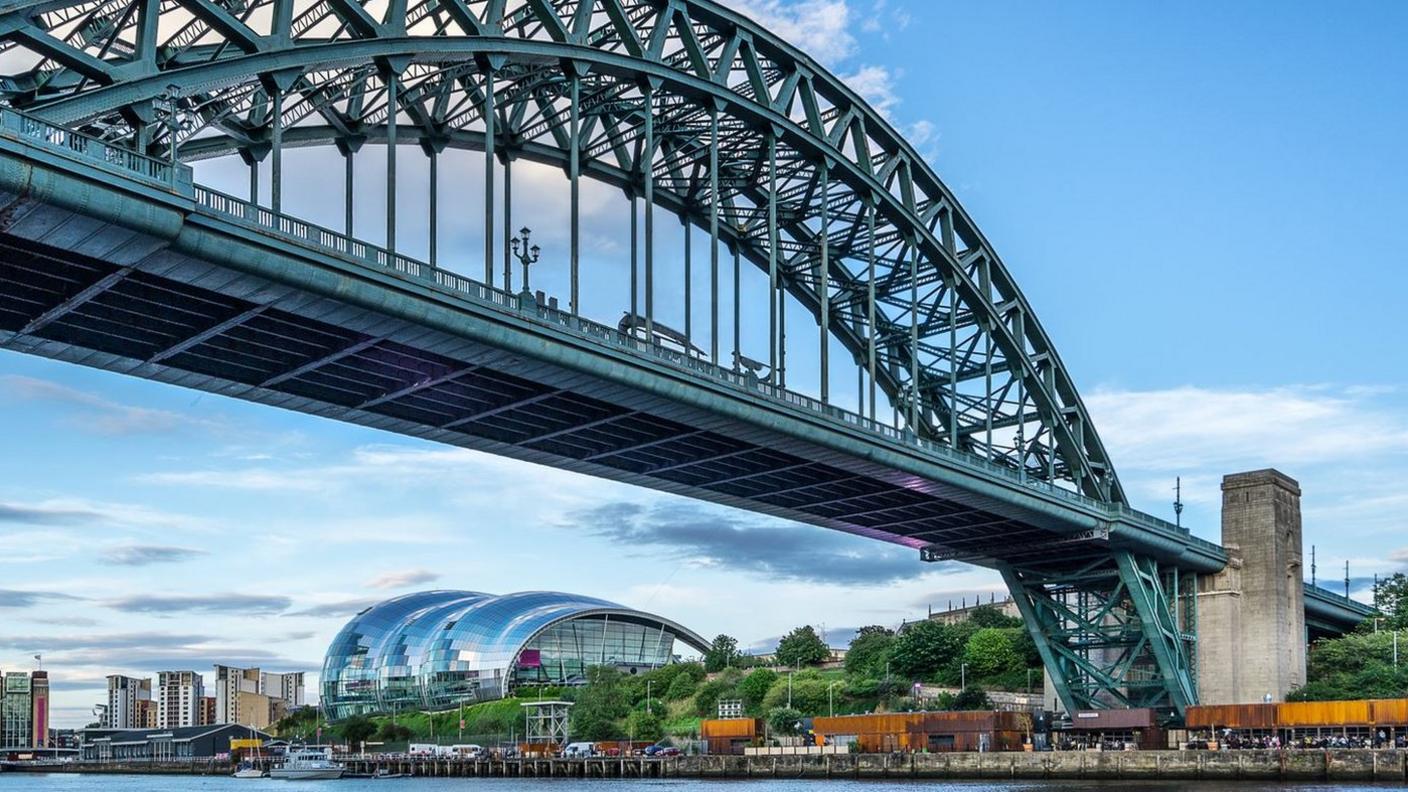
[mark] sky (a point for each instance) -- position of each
(1205, 204)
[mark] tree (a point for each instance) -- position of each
(356, 730)
(754, 687)
(600, 704)
(991, 616)
(802, 647)
(924, 648)
(869, 651)
(723, 652)
(990, 653)
(972, 698)
(1392, 599)
(782, 720)
(706, 700)
(682, 687)
(644, 726)
(808, 694)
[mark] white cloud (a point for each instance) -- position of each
(1189, 427)
(403, 578)
(820, 28)
(96, 413)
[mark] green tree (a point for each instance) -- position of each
(991, 616)
(706, 700)
(923, 649)
(989, 653)
(1392, 599)
(972, 698)
(782, 720)
(801, 648)
(600, 704)
(356, 730)
(723, 653)
(682, 687)
(644, 726)
(869, 651)
(1358, 665)
(754, 687)
(808, 694)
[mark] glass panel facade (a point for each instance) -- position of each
(436, 649)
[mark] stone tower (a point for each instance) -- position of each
(1251, 615)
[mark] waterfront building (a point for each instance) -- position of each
(178, 698)
(16, 711)
(39, 708)
(254, 697)
(207, 711)
(437, 649)
(125, 703)
(187, 742)
(284, 687)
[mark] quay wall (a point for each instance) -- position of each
(1385, 766)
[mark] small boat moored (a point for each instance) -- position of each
(308, 764)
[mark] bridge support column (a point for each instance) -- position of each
(1253, 611)
(1117, 632)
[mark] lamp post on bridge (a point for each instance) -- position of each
(526, 255)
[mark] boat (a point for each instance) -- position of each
(308, 764)
(249, 770)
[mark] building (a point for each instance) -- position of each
(285, 687)
(39, 708)
(929, 732)
(17, 711)
(125, 710)
(254, 697)
(436, 649)
(178, 699)
(207, 711)
(1006, 606)
(230, 682)
(189, 742)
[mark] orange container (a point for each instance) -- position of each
(1312, 714)
(1231, 716)
(731, 728)
(1389, 712)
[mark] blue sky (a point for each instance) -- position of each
(1205, 203)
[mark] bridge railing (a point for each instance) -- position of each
(92, 149)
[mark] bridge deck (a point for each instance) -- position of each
(142, 274)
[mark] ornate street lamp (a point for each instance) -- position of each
(526, 255)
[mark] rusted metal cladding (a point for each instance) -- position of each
(730, 728)
(1231, 716)
(1389, 712)
(1297, 714)
(1107, 720)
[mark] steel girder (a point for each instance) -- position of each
(909, 286)
(1117, 632)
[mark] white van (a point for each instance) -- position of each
(423, 749)
(579, 749)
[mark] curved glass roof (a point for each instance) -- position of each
(432, 647)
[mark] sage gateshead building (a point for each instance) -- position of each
(438, 649)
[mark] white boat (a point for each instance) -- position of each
(308, 764)
(249, 771)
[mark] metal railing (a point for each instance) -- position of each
(319, 238)
(91, 149)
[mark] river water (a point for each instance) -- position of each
(13, 782)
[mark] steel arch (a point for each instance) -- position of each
(109, 65)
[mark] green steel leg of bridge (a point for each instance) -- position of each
(1109, 634)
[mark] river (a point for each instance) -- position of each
(13, 782)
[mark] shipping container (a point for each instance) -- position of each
(1313, 714)
(1389, 712)
(729, 735)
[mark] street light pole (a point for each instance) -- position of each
(526, 256)
(830, 700)
(789, 690)
(963, 678)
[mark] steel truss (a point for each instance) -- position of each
(1119, 631)
(684, 104)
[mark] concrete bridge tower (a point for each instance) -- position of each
(1251, 615)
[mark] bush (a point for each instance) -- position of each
(682, 687)
(869, 652)
(782, 720)
(754, 688)
(645, 726)
(808, 695)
